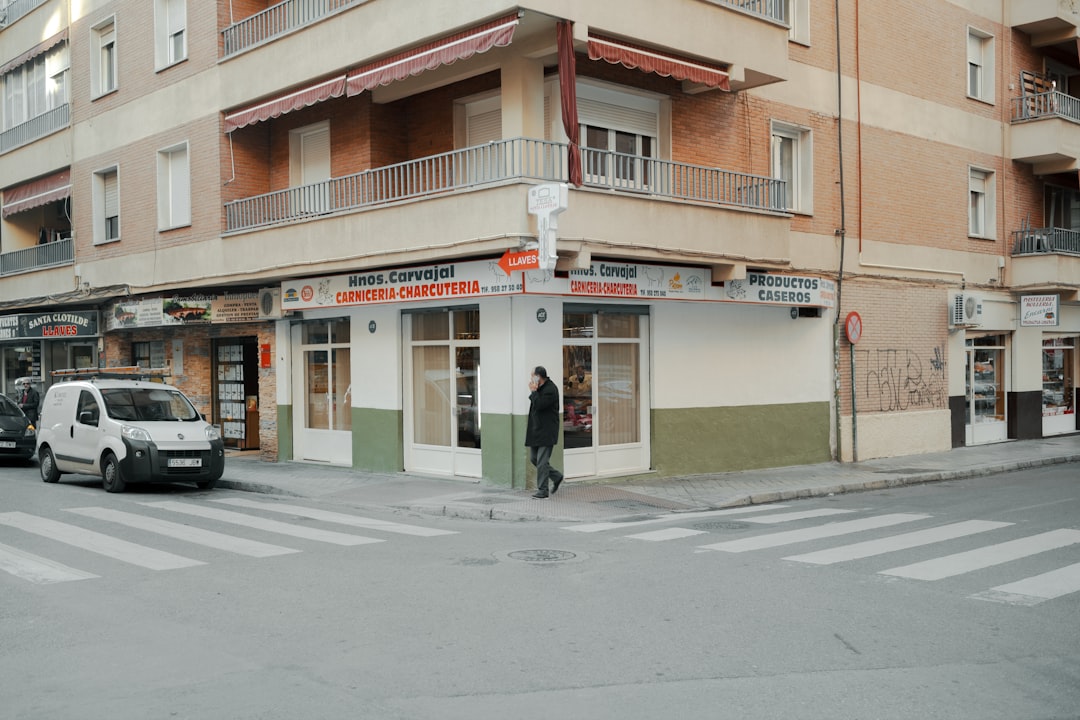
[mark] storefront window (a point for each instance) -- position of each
(446, 398)
(327, 372)
(985, 382)
(1057, 377)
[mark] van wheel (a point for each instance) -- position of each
(111, 477)
(47, 465)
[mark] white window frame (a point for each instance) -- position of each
(798, 12)
(174, 187)
(980, 65)
(103, 65)
(800, 176)
(982, 209)
(100, 183)
(170, 32)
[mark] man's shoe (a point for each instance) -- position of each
(555, 485)
(540, 495)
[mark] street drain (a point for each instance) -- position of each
(541, 556)
(720, 525)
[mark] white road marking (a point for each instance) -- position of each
(37, 569)
(209, 538)
(1036, 589)
(666, 534)
(897, 542)
(97, 543)
(984, 557)
(336, 517)
(801, 515)
(790, 537)
(674, 517)
(328, 536)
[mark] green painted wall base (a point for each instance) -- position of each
(284, 433)
(691, 441)
(377, 440)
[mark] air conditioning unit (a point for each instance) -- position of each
(965, 310)
(270, 304)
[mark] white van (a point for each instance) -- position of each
(126, 431)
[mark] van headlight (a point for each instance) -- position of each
(212, 433)
(134, 433)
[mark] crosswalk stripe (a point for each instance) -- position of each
(801, 515)
(789, 537)
(328, 536)
(97, 543)
(1036, 589)
(897, 542)
(208, 538)
(984, 557)
(666, 534)
(336, 517)
(679, 517)
(37, 569)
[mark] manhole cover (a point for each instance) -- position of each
(541, 555)
(721, 525)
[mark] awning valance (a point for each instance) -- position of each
(446, 50)
(335, 87)
(37, 192)
(619, 52)
(43, 46)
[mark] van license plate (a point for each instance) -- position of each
(185, 462)
(7, 444)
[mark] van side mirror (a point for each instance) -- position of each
(87, 417)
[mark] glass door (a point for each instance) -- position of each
(323, 391)
(1058, 411)
(986, 400)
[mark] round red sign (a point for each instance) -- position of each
(853, 327)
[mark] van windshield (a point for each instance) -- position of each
(151, 404)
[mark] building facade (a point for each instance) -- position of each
(738, 233)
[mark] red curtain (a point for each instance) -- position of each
(568, 94)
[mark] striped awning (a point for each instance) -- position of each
(33, 52)
(37, 192)
(636, 57)
(444, 51)
(295, 100)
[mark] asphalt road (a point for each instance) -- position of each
(953, 600)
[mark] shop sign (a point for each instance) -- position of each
(49, 325)
(480, 278)
(624, 280)
(778, 289)
(1039, 310)
(183, 310)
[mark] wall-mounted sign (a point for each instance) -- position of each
(49, 325)
(183, 310)
(1036, 310)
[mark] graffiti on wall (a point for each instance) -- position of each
(897, 380)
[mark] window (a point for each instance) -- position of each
(798, 17)
(981, 216)
(34, 88)
(309, 158)
(103, 67)
(792, 162)
(173, 187)
(170, 42)
(619, 132)
(106, 206)
(980, 52)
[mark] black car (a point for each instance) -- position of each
(18, 436)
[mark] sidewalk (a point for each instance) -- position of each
(598, 501)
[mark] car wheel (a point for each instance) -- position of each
(111, 476)
(47, 465)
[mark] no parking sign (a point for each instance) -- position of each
(853, 327)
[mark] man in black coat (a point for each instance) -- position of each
(28, 398)
(542, 431)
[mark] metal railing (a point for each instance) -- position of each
(15, 9)
(519, 158)
(769, 9)
(1037, 241)
(1046, 104)
(39, 257)
(48, 122)
(277, 20)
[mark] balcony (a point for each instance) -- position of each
(45, 124)
(1046, 259)
(15, 9)
(278, 20)
(1045, 131)
(40, 257)
(501, 162)
(775, 10)
(1048, 22)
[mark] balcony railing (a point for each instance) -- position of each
(516, 159)
(1044, 105)
(15, 9)
(1046, 240)
(277, 20)
(769, 9)
(39, 257)
(34, 128)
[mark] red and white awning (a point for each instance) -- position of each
(33, 52)
(444, 51)
(332, 88)
(620, 52)
(37, 192)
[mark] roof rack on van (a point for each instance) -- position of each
(129, 372)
